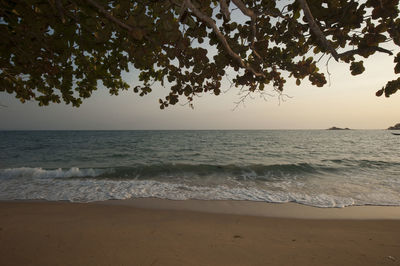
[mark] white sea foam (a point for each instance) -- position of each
(318, 168)
(87, 190)
(39, 172)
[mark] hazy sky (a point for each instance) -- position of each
(349, 102)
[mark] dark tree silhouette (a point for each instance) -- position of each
(62, 50)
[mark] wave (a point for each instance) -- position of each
(264, 172)
(102, 190)
(38, 172)
(238, 172)
(301, 183)
(249, 171)
(142, 172)
(362, 163)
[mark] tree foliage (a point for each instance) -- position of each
(62, 50)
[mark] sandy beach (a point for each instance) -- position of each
(161, 232)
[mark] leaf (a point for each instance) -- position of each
(397, 66)
(357, 68)
(296, 14)
(379, 93)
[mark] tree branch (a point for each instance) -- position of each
(60, 10)
(134, 32)
(368, 49)
(183, 12)
(246, 11)
(250, 13)
(109, 16)
(224, 9)
(316, 30)
(211, 23)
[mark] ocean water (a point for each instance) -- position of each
(313, 167)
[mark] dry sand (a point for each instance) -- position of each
(159, 232)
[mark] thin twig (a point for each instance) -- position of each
(327, 70)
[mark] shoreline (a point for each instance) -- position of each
(289, 210)
(263, 209)
(162, 232)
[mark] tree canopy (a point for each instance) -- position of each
(62, 50)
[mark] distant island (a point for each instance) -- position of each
(338, 128)
(395, 127)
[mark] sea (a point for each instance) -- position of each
(321, 168)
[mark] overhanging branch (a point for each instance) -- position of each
(250, 13)
(60, 10)
(211, 23)
(183, 12)
(109, 16)
(134, 32)
(224, 9)
(367, 49)
(246, 11)
(316, 30)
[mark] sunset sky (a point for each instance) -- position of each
(350, 101)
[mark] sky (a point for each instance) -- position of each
(349, 101)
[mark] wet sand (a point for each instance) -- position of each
(162, 232)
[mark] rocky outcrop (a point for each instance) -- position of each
(338, 128)
(395, 127)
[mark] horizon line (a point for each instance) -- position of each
(248, 129)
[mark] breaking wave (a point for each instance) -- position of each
(255, 171)
(333, 183)
(39, 172)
